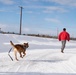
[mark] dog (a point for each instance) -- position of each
(20, 48)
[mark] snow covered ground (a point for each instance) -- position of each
(43, 56)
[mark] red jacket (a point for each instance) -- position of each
(64, 36)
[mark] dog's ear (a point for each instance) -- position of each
(24, 43)
(27, 43)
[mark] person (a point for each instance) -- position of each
(63, 37)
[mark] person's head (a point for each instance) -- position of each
(64, 29)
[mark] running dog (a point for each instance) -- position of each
(20, 48)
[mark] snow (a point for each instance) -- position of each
(43, 56)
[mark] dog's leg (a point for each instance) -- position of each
(15, 52)
(24, 53)
(20, 54)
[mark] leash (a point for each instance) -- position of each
(9, 54)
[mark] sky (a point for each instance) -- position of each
(43, 56)
(38, 16)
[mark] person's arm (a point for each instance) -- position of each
(68, 36)
(59, 36)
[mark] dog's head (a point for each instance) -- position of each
(26, 45)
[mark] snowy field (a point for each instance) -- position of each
(43, 56)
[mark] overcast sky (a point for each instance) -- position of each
(38, 16)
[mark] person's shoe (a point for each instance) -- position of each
(62, 52)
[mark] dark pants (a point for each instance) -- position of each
(63, 45)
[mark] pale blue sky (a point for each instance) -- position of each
(39, 16)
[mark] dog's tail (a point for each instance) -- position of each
(12, 43)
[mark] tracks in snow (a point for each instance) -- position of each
(36, 61)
